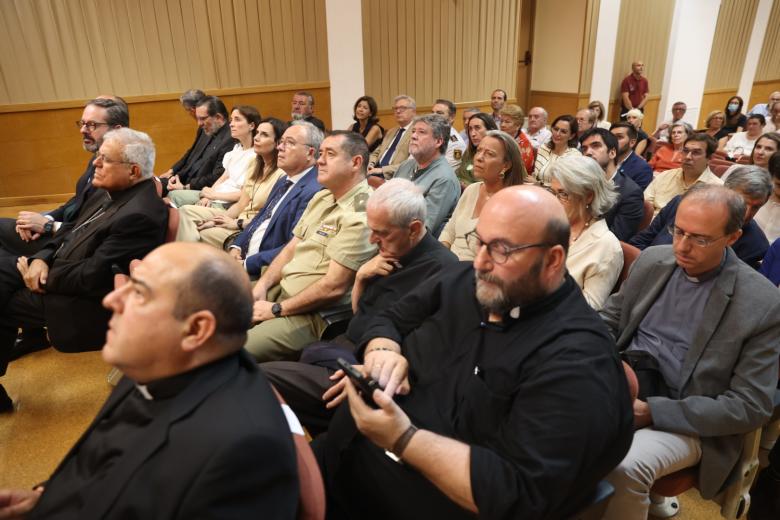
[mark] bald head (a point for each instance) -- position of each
(543, 217)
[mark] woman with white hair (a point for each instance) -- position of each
(635, 117)
(595, 257)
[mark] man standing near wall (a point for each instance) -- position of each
(497, 102)
(634, 89)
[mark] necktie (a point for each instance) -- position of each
(390, 151)
(264, 215)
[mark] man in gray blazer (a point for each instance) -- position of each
(712, 323)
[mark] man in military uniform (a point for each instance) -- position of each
(455, 145)
(317, 267)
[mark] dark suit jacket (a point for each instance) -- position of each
(207, 168)
(625, 216)
(729, 374)
(750, 247)
(70, 210)
(133, 223)
(280, 229)
(638, 170)
(221, 448)
(194, 151)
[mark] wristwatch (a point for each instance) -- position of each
(276, 309)
(48, 228)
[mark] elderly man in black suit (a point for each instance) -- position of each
(61, 286)
(193, 416)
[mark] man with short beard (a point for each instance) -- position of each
(501, 394)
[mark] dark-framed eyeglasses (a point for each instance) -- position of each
(91, 125)
(498, 251)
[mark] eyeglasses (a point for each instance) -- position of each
(561, 195)
(104, 159)
(291, 143)
(91, 125)
(401, 109)
(697, 240)
(497, 251)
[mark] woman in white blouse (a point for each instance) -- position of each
(595, 257)
(563, 143)
(497, 164)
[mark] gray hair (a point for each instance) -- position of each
(471, 110)
(544, 112)
(580, 176)
(713, 194)
(403, 200)
(137, 148)
(591, 114)
(635, 112)
(439, 126)
(410, 99)
(314, 135)
(753, 181)
(190, 98)
(685, 126)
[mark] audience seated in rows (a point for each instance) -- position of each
(700, 328)
(595, 258)
(536, 129)
(429, 170)
(214, 225)
(303, 110)
(203, 163)
(563, 143)
(60, 287)
(696, 152)
(317, 267)
(765, 108)
(764, 147)
(512, 123)
(629, 163)
(394, 150)
(193, 415)
(740, 144)
(478, 125)
(768, 217)
(366, 121)
(237, 165)
(754, 185)
(494, 410)
(497, 164)
(455, 145)
(624, 217)
(407, 257)
(668, 156)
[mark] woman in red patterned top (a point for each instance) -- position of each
(512, 123)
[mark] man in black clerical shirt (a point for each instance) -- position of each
(408, 256)
(193, 430)
(503, 394)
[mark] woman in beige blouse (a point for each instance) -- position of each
(563, 143)
(595, 257)
(497, 164)
(213, 225)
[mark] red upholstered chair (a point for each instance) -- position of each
(630, 254)
(173, 224)
(647, 217)
(311, 504)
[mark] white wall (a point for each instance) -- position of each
(345, 58)
(604, 55)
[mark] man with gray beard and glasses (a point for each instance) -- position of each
(502, 392)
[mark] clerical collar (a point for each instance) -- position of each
(171, 386)
(709, 275)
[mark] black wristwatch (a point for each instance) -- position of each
(48, 228)
(276, 309)
(240, 224)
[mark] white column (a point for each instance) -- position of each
(345, 58)
(754, 50)
(604, 54)
(688, 57)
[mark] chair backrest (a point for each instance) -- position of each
(311, 502)
(630, 254)
(647, 216)
(173, 224)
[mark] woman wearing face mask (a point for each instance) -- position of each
(735, 119)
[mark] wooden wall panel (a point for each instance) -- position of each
(761, 90)
(769, 62)
(643, 34)
(55, 50)
(556, 103)
(41, 146)
(729, 46)
(460, 50)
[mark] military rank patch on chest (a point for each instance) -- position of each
(457, 154)
(326, 230)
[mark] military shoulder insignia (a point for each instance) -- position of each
(360, 202)
(456, 154)
(453, 137)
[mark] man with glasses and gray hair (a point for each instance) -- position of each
(61, 286)
(394, 150)
(483, 393)
(700, 328)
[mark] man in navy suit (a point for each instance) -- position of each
(271, 229)
(31, 231)
(629, 163)
(624, 217)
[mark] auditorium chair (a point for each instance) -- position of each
(630, 254)
(647, 216)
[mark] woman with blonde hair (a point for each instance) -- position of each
(512, 123)
(601, 114)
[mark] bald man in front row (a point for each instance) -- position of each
(193, 430)
(503, 393)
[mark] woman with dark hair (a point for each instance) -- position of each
(214, 225)
(768, 217)
(478, 125)
(498, 163)
(735, 119)
(563, 143)
(366, 122)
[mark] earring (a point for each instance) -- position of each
(502, 174)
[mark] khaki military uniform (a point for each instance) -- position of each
(328, 230)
